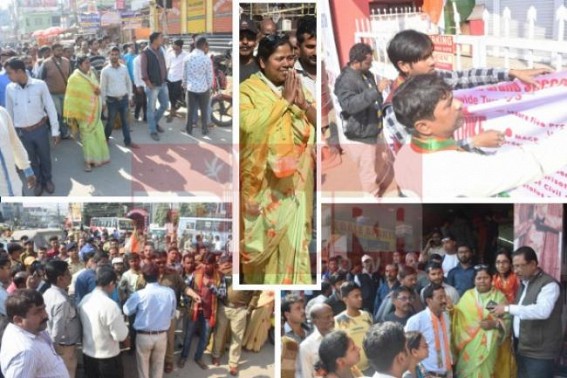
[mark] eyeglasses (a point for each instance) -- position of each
(481, 267)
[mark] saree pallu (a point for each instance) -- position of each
(477, 349)
(276, 186)
(82, 109)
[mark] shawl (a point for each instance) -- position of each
(198, 279)
(81, 102)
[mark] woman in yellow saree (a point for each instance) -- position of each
(82, 109)
(277, 163)
(477, 334)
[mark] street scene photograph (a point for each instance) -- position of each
(127, 290)
(391, 66)
(116, 98)
(278, 118)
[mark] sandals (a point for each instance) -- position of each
(168, 367)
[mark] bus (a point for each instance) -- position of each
(112, 224)
(208, 227)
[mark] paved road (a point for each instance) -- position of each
(178, 165)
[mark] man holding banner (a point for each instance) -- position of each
(430, 164)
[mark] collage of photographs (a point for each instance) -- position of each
(380, 193)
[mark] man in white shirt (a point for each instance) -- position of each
(537, 325)
(140, 88)
(116, 90)
(433, 165)
(12, 155)
(174, 60)
(385, 346)
(198, 81)
(450, 258)
(31, 352)
(323, 322)
(29, 104)
(435, 325)
(103, 328)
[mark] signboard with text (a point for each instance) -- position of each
(89, 22)
(443, 51)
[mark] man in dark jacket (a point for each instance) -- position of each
(361, 102)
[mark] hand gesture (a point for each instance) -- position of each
(528, 76)
(300, 96)
(383, 84)
(290, 87)
(489, 138)
(197, 298)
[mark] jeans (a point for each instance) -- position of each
(200, 100)
(534, 367)
(58, 100)
(121, 107)
(190, 327)
(36, 143)
(156, 94)
(209, 111)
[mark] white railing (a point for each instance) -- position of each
(380, 27)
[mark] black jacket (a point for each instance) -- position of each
(361, 102)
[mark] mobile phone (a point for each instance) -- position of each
(491, 305)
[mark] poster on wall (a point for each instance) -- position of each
(540, 226)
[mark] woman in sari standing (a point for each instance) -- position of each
(477, 334)
(277, 163)
(508, 283)
(82, 109)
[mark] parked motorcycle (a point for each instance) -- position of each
(221, 103)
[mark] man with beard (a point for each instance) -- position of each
(424, 104)
(306, 65)
(247, 44)
(361, 101)
(435, 276)
(401, 299)
(435, 325)
(389, 283)
(407, 278)
(31, 352)
(461, 277)
(202, 313)
(323, 322)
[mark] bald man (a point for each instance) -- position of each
(267, 27)
(323, 320)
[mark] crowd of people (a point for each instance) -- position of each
(454, 318)
(60, 91)
(93, 297)
(400, 133)
(278, 73)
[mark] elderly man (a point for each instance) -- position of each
(322, 318)
(31, 352)
(154, 307)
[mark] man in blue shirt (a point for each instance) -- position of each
(461, 277)
(154, 307)
(86, 280)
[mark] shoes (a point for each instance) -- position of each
(181, 362)
(159, 129)
(38, 190)
(133, 146)
(233, 371)
(201, 364)
(155, 136)
(216, 361)
(49, 187)
(168, 367)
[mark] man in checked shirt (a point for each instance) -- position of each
(411, 52)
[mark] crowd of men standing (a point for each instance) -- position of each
(36, 83)
(91, 297)
(454, 318)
